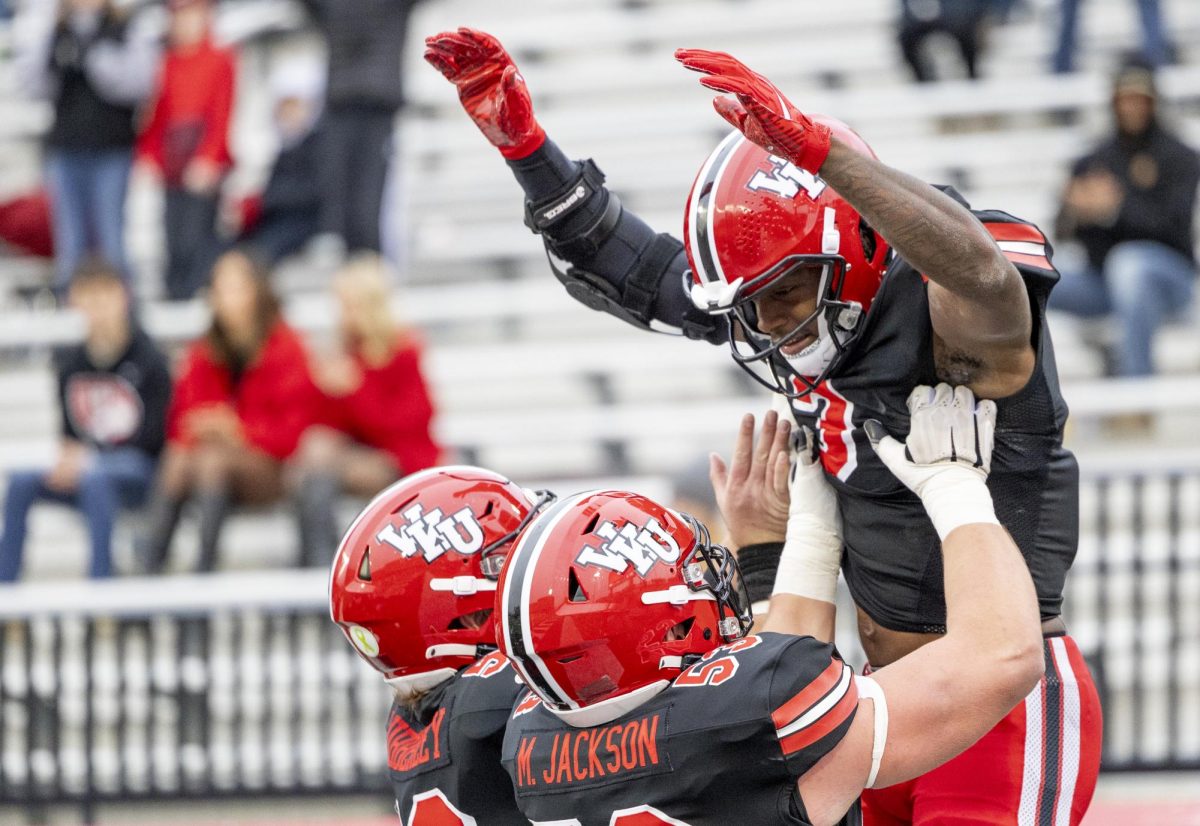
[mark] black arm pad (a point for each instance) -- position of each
(758, 564)
(606, 257)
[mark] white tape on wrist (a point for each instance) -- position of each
(956, 499)
(811, 559)
(812, 552)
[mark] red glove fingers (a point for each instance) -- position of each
(490, 88)
(761, 111)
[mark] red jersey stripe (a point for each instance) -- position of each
(1016, 232)
(1039, 261)
(833, 718)
(809, 695)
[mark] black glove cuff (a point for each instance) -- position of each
(758, 563)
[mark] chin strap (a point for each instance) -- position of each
(458, 650)
(462, 586)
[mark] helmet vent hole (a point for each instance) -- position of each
(405, 503)
(566, 660)
(488, 510)
(364, 567)
(591, 525)
(575, 592)
(679, 630)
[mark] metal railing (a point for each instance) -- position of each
(199, 686)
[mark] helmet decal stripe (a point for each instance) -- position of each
(516, 597)
(700, 225)
(708, 248)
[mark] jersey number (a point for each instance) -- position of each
(713, 672)
(835, 428)
(433, 809)
(637, 816)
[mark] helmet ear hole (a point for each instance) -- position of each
(364, 567)
(473, 620)
(575, 592)
(869, 241)
(679, 630)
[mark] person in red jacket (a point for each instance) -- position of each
(377, 414)
(242, 400)
(186, 139)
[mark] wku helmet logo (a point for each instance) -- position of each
(630, 544)
(431, 533)
(786, 180)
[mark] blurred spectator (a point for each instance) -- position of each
(187, 139)
(287, 215)
(243, 397)
(95, 63)
(113, 395)
(365, 40)
(961, 20)
(25, 224)
(1130, 203)
(378, 411)
(1156, 49)
(692, 492)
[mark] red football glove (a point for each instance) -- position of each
(491, 89)
(761, 112)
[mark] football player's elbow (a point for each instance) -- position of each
(1018, 668)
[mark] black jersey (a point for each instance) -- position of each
(444, 753)
(892, 559)
(725, 743)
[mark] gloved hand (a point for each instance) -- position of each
(760, 112)
(490, 87)
(947, 455)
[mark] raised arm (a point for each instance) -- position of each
(978, 302)
(605, 256)
(962, 684)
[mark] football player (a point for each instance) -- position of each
(413, 589)
(841, 282)
(650, 704)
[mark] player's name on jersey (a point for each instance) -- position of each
(549, 761)
(410, 749)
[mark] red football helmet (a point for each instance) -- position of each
(413, 583)
(753, 218)
(607, 596)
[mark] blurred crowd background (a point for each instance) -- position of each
(255, 264)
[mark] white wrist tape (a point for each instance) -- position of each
(955, 497)
(812, 552)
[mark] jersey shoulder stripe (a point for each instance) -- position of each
(1021, 243)
(819, 708)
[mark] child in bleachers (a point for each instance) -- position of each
(186, 138)
(243, 397)
(377, 416)
(113, 393)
